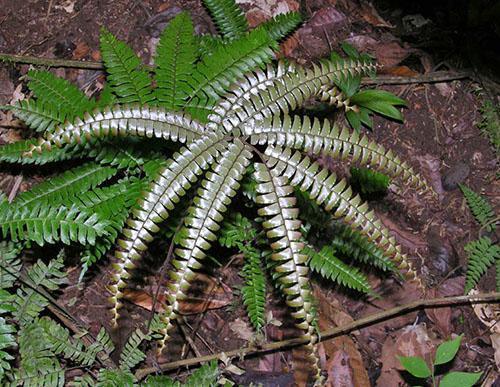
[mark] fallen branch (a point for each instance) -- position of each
(328, 334)
(435, 77)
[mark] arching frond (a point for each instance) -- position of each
(314, 136)
(66, 186)
(283, 229)
(37, 115)
(228, 18)
(124, 120)
(125, 74)
(280, 26)
(17, 151)
(216, 72)
(254, 288)
(132, 354)
(330, 267)
(204, 218)
(171, 184)
(174, 60)
(480, 208)
(336, 195)
(285, 94)
(49, 224)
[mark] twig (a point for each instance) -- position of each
(435, 77)
(15, 188)
(330, 333)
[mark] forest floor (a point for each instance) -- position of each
(439, 137)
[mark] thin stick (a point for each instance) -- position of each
(434, 77)
(330, 333)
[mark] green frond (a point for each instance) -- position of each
(236, 231)
(281, 25)
(205, 376)
(128, 80)
(228, 17)
(283, 230)
(66, 186)
(115, 378)
(10, 264)
(368, 181)
(282, 95)
(38, 366)
(123, 120)
(330, 267)
(213, 198)
(332, 194)
(207, 44)
(57, 94)
(254, 288)
(132, 354)
(351, 243)
(37, 115)
(7, 341)
(50, 224)
(316, 137)
(482, 254)
(216, 72)
(60, 342)
(181, 171)
(175, 56)
(28, 301)
(16, 152)
(480, 208)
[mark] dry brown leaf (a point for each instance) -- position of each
(400, 71)
(242, 329)
(81, 50)
(205, 294)
(340, 373)
(409, 341)
(370, 14)
(391, 53)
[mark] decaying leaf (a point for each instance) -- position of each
(339, 371)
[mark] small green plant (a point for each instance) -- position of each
(445, 353)
(483, 252)
(490, 123)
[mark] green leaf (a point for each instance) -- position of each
(415, 365)
(460, 379)
(447, 351)
(350, 50)
(354, 119)
(371, 95)
(369, 181)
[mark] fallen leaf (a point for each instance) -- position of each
(339, 371)
(391, 53)
(370, 15)
(205, 294)
(409, 341)
(242, 329)
(81, 50)
(400, 71)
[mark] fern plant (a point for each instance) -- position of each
(229, 108)
(483, 252)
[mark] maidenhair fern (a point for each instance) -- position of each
(222, 109)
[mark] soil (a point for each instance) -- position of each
(439, 137)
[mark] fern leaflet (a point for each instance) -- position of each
(483, 253)
(480, 208)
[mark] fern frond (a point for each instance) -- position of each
(58, 94)
(124, 120)
(254, 289)
(38, 366)
(236, 231)
(46, 224)
(285, 94)
(7, 341)
(16, 153)
(228, 17)
(125, 74)
(332, 194)
(10, 264)
(280, 26)
(283, 229)
(351, 243)
(216, 72)
(174, 60)
(369, 182)
(205, 216)
(171, 184)
(482, 254)
(479, 207)
(61, 343)
(330, 267)
(64, 187)
(314, 136)
(115, 378)
(132, 354)
(37, 115)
